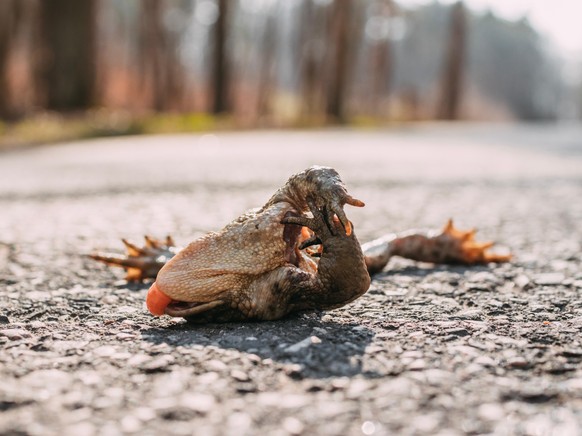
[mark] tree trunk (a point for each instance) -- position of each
(11, 15)
(152, 53)
(381, 61)
(6, 9)
(309, 60)
(267, 65)
(220, 66)
(66, 71)
(339, 63)
(452, 86)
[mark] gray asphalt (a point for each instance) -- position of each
(429, 350)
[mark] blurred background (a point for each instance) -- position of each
(72, 68)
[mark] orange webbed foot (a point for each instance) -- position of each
(467, 249)
(141, 263)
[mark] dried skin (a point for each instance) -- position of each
(450, 246)
(254, 267)
(263, 265)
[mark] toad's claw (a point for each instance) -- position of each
(324, 224)
(335, 203)
(141, 262)
(339, 211)
(354, 201)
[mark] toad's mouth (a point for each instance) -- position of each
(183, 308)
(159, 304)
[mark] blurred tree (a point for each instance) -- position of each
(12, 17)
(220, 66)
(510, 64)
(160, 67)
(312, 52)
(381, 53)
(452, 75)
(419, 52)
(66, 68)
(8, 16)
(266, 72)
(339, 47)
(180, 55)
(508, 70)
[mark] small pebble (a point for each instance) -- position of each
(15, 334)
(158, 364)
(302, 345)
(239, 375)
(517, 362)
(490, 412)
(105, 351)
(458, 332)
(216, 365)
(199, 402)
(550, 279)
(292, 425)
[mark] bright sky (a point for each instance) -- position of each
(559, 20)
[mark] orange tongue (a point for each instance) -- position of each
(157, 301)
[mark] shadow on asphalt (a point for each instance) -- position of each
(313, 345)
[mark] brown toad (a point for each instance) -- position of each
(279, 259)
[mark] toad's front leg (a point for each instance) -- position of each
(342, 274)
(143, 262)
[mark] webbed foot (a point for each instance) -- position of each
(141, 262)
(461, 246)
(451, 245)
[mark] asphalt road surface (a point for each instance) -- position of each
(428, 350)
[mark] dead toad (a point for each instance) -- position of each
(298, 252)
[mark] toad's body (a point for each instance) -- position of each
(240, 264)
(260, 266)
(230, 259)
(253, 268)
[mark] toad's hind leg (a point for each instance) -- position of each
(451, 246)
(141, 263)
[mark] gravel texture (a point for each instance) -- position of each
(428, 350)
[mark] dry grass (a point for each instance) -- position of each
(51, 127)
